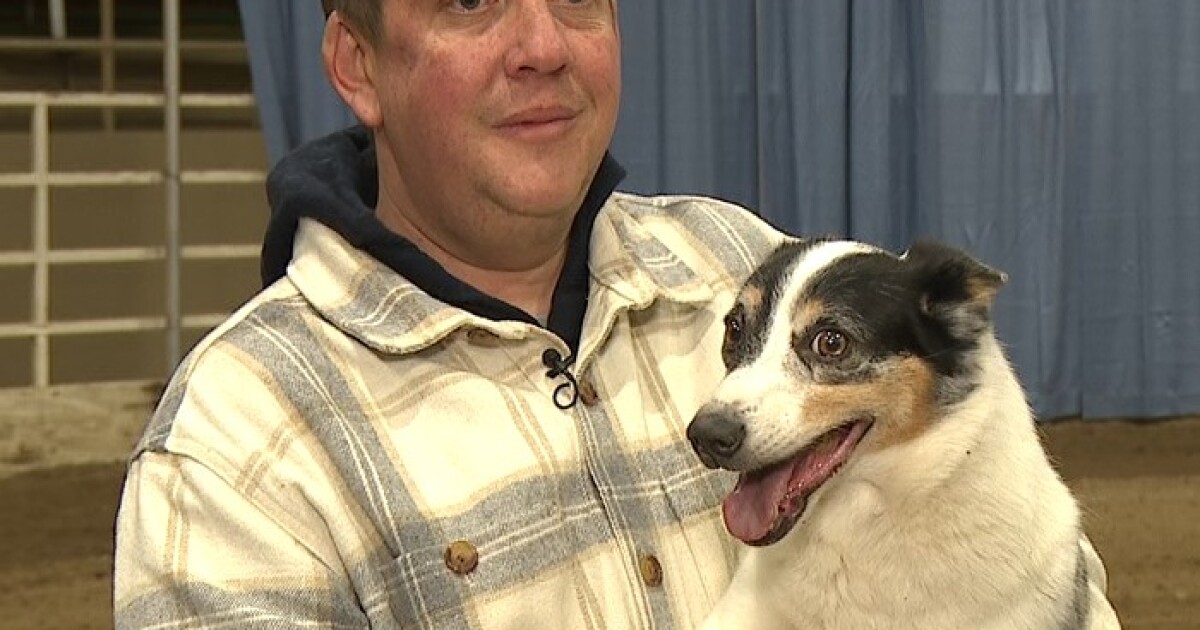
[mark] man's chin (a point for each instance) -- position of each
(544, 192)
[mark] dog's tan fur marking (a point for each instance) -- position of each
(909, 388)
(807, 314)
(752, 298)
(900, 400)
(982, 289)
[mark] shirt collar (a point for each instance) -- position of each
(630, 267)
(419, 271)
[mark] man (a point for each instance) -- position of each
(461, 400)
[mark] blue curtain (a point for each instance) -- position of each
(1058, 140)
(295, 101)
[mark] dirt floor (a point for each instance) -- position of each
(1139, 484)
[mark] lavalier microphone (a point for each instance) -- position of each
(566, 394)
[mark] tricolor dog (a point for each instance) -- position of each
(890, 473)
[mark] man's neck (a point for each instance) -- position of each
(530, 290)
(523, 272)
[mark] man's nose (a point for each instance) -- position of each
(540, 43)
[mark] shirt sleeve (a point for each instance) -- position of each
(193, 551)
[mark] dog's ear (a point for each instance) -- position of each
(954, 288)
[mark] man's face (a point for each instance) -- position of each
(496, 104)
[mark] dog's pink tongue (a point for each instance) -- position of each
(761, 498)
(751, 509)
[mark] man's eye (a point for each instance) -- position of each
(468, 5)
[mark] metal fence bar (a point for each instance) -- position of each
(126, 178)
(58, 18)
(171, 88)
(108, 59)
(127, 254)
(99, 178)
(222, 177)
(122, 99)
(40, 152)
(118, 325)
(123, 45)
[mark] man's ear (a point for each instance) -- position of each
(350, 67)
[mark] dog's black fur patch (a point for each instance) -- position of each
(927, 304)
(754, 323)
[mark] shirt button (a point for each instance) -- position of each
(461, 557)
(483, 338)
(587, 393)
(651, 570)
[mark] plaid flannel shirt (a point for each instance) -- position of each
(346, 451)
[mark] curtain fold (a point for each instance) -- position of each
(688, 111)
(295, 101)
(1058, 140)
(1133, 156)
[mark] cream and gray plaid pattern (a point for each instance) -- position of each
(317, 454)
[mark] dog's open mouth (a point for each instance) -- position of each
(766, 503)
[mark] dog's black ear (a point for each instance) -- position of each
(955, 289)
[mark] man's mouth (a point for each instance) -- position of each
(537, 122)
(766, 503)
(538, 115)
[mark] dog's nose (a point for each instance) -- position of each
(716, 435)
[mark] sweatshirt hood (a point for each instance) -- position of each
(331, 179)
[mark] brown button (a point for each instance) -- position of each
(483, 338)
(461, 557)
(587, 393)
(652, 573)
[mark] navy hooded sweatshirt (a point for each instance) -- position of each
(333, 180)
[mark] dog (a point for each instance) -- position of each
(890, 471)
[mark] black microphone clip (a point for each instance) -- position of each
(559, 366)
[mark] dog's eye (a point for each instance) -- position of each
(830, 343)
(734, 323)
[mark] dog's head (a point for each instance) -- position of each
(835, 349)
